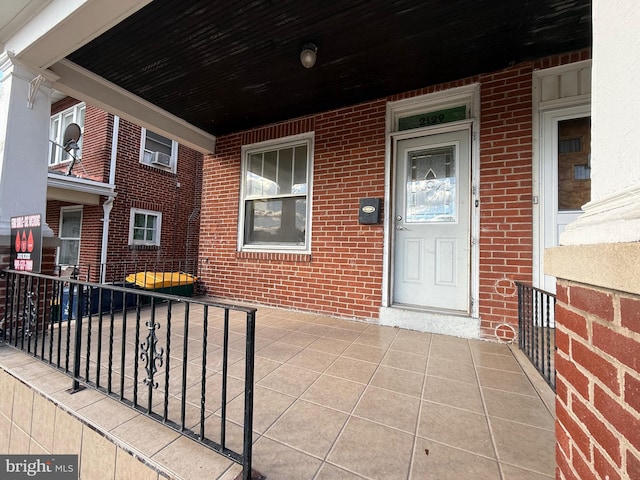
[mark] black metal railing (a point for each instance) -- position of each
(179, 360)
(140, 269)
(537, 334)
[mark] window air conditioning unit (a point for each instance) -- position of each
(159, 158)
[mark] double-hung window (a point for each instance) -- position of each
(69, 235)
(59, 123)
(276, 195)
(145, 227)
(158, 151)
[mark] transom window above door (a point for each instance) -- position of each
(275, 207)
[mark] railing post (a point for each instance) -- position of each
(248, 396)
(78, 339)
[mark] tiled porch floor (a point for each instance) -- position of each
(343, 400)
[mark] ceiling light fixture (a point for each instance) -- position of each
(308, 55)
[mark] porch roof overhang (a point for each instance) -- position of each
(197, 69)
(77, 190)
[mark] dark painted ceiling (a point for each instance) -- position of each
(225, 66)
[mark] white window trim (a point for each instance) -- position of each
(58, 140)
(284, 142)
(145, 243)
(72, 208)
(174, 153)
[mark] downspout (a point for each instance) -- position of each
(108, 203)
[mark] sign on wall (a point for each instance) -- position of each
(26, 251)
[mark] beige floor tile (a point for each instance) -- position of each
(389, 408)
(405, 361)
(233, 434)
(447, 463)
(453, 393)
(352, 369)
(79, 399)
(52, 382)
(278, 461)
(375, 339)
(299, 339)
(98, 457)
(461, 354)
(313, 360)
(344, 334)
(364, 352)
(145, 435)
(268, 405)
(397, 380)
(507, 381)
(498, 362)
(290, 380)
(43, 422)
(516, 442)
(191, 460)
(129, 468)
(408, 344)
(279, 352)
(515, 473)
(330, 345)
(108, 413)
(331, 472)
(334, 392)
(299, 427)
(517, 408)
(262, 368)
(480, 346)
(456, 427)
(373, 450)
(463, 372)
(314, 329)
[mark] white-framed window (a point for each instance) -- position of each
(59, 122)
(69, 235)
(158, 151)
(275, 211)
(145, 227)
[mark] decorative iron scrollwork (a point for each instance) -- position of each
(150, 354)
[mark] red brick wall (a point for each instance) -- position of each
(343, 275)
(598, 383)
(137, 186)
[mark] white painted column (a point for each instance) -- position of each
(25, 112)
(613, 215)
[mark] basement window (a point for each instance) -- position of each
(275, 208)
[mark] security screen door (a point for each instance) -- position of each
(432, 222)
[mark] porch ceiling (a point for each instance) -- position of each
(225, 66)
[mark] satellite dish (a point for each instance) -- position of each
(71, 136)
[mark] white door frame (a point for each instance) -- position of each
(470, 97)
(547, 219)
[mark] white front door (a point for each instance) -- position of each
(566, 183)
(431, 261)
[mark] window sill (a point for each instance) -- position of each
(144, 247)
(275, 256)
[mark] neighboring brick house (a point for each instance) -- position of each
(325, 261)
(122, 203)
